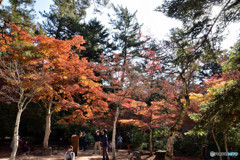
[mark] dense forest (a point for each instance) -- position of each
(66, 74)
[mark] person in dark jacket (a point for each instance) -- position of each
(83, 141)
(97, 144)
(128, 142)
(105, 145)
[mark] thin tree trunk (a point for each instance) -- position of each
(219, 150)
(114, 134)
(16, 136)
(48, 125)
(225, 144)
(151, 141)
(47, 130)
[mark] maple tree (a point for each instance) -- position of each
(146, 115)
(54, 75)
(117, 71)
(119, 80)
(150, 117)
(218, 112)
(18, 70)
(183, 60)
(73, 83)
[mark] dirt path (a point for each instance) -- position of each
(87, 155)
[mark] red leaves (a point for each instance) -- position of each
(68, 80)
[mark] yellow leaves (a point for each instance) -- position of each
(158, 103)
(133, 122)
(57, 108)
(138, 103)
(216, 86)
(83, 77)
(196, 97)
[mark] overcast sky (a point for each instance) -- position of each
(154, 23)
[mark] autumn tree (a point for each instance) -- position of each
(184, 60)
(114, 66)
(111, 71)
(148, 92)
(53, 64)
(73, 83)
(18, 70)
(219, 104)
(203, 31)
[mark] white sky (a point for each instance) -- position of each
(154, 23)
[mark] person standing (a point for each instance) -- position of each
(119, 142)
(97, 144)
(83, 141)
(105, 145)
(128, 142)
(75, 143)
(69, 155)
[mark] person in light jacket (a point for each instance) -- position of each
(69, 155)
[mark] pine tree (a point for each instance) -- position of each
(64, 17)
(65, 20)
(97, 40)
(127, 39)
(20, 12)
(126, 32)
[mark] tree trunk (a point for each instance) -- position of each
(225, 144)
(16, 136)
(169, 145)
(219, 150)
(48, 125)
(179, 121)
(114, 135)
(174, 129)
(151, 141)
(47, 131)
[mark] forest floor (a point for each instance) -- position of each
(86, 155)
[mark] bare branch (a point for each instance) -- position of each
(8, 97)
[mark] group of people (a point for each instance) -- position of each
(23, 146)
(101, 142)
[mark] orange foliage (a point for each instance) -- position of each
(70, 81)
